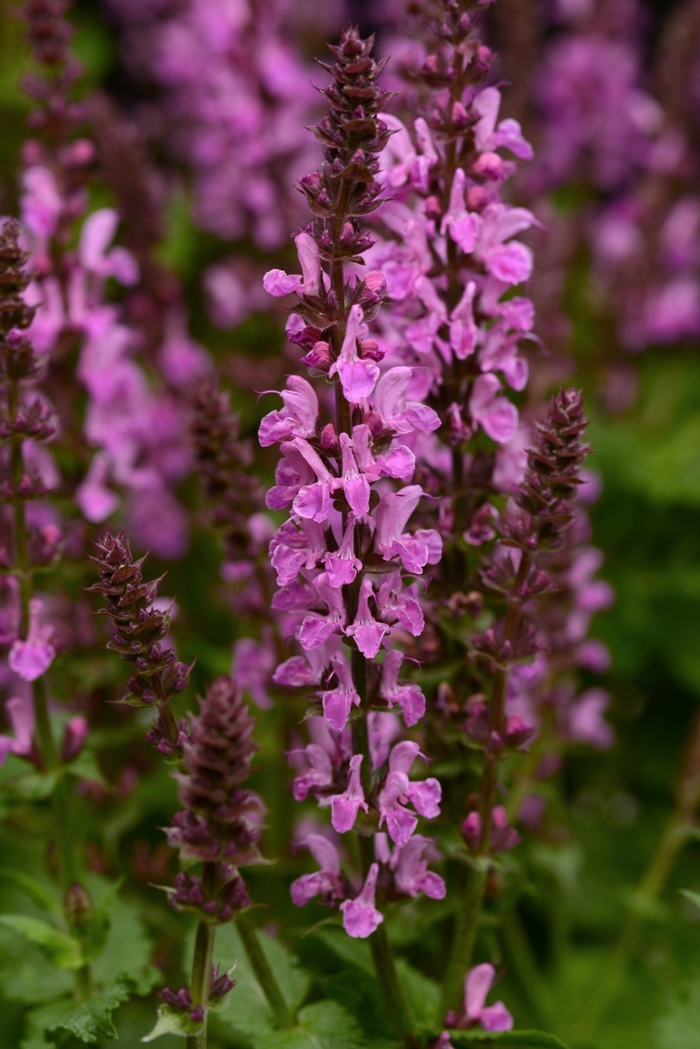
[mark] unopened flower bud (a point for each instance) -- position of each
(471, 830)
(329, 439)
(489, 165)
(74, 738)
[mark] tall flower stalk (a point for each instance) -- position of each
(216, 826)
(27, 420)
(341, 556)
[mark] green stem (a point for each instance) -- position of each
(261, 967)
(201, 962)
(474, 886)
(385, 965)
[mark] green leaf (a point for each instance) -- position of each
(514, 1039)
(85, 766)
(694, 897)
(422, 993)
(58, 947)
(679, 1028)
(171, 1022)
(25, 974)
(91, 1021)
(33, 889)
(127, 949)
(37, 786)
(331, 1025)
(354, 952)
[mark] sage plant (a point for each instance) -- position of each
(341, 555)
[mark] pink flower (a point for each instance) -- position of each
(74, 738)
(342, 565)
(21, 714)
(512, 262)
(476, 986)
(316, 628)
(40, 203)
(583, 721)
(395, 412)
(279, 283)
(355, 484)
(497, 416)
(360, 916)
(464, 331)
(317, 775)
(253, 663)
(411, 874)
(357, 376)
(33, 657)
(367, 631)
(296, 419)
(296, 544)
(327, 881)
(463, 225)
(508, 134)
(398, 603)
(94, 498)
(338, 701)
(398, 791)
(345, 806)
(382, 729)
(415, 551)
(409, 697)
(95, 237)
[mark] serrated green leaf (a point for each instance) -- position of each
(91, 1021)
(171, 1022)
(513, 1039)
(25, 974)
(33, 889)
(332, 1025)
(58, 947)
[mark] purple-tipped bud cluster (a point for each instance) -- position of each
(217, 822)
(220, 984)
(223, 462)
(139, 630)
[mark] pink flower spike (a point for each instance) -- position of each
(355, 484)
(33, 657)
(345, 806)
(338, 701)
(360, 916)
(367, 631)
(341, 565)
(476, 986)
(357, 377)
(409, 697)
